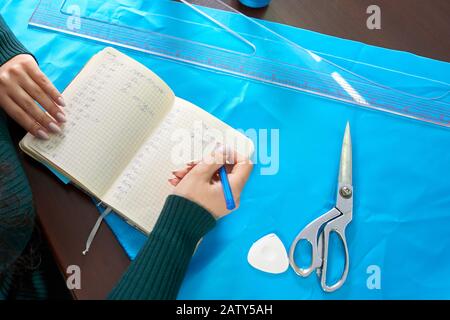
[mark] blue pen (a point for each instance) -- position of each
(227, 193)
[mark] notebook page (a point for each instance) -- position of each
(140, 192)
(112, 107)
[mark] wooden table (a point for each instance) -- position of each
(67, 215)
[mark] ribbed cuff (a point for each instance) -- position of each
(181, 217)
(9, 45)
(159, 269)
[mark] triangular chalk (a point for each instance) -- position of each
(268, 254)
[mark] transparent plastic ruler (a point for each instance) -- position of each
(200, 34)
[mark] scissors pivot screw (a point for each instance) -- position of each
(346, 192)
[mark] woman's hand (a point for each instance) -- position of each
(22, 84)
(199, 182)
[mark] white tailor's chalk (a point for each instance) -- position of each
(268, 254)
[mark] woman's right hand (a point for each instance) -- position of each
(199, 182)
(22, 84)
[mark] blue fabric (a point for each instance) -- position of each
(401, 170)
(130, 238)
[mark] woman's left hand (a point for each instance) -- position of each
(22, 84)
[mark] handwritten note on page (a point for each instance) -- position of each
(112, 107)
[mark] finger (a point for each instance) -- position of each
(45, 84)
(23, 119)
(208, 167)
(240, 173)
(181, 172)
(36, 92)
(174, 181)
(23, 100)
(192, 163)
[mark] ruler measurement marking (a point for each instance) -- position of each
(241, 65)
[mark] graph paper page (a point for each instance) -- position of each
(112, 107)
(186, 133)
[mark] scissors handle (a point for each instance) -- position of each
(311, 234)
(332, 221)
(338, 226)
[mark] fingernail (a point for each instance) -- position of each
(41, 134)
(177, 176)
(54, 127)
(223, 150)
(174, 172)
(61, 102)
(61, 117)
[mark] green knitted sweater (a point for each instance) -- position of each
(159, 269)
(156, 273)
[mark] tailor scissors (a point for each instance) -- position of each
(317, 233)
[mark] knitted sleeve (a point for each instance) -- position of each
(9, 45)
(16, 202)
(159, 269)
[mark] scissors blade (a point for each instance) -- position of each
(345, 168)
(344, 201)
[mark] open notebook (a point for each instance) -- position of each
(125, 132)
